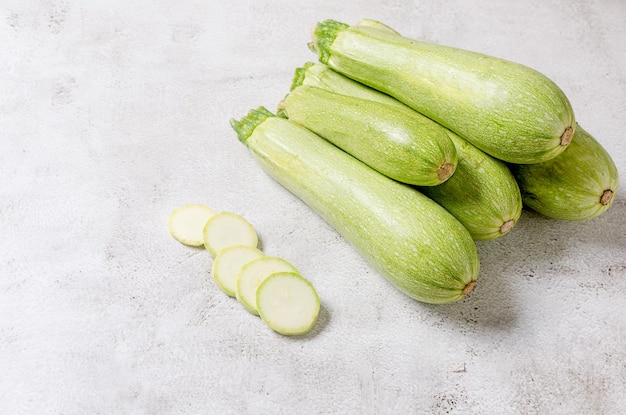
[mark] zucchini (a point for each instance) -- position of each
(482, 193)
(483, 196)
(508, 110)
(579, 184)
(397, 141)
(377, 25)
(321, 76)
(412, 241)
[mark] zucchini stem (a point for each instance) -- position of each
(300, 73)
(247, 124)
(324, 35)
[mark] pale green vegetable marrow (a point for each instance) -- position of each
(415, 243)
(376, 25)
(483, 196)
(579, 184)
(482, 193)
(398, 142)
(508, 110)
(288, 303)
(321, 76)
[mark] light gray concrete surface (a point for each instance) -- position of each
(114, 113)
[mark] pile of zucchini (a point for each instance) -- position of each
(412, 151)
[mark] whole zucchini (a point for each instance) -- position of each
(579, 184)
(506, 109)
(396, 141)
(321, 76)
(416, 244)
(482, 193)
(483, 196)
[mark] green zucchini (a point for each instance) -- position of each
(377, 25)
(412, 241)
(321, 76)
(579, 184)
(506, 109)
(397, 141)
(482, 193)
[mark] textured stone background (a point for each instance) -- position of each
(114, 113)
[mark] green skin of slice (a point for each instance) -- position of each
(508, 110)
(411, 240)
(398, 142)
(482, 193)
(580, 184)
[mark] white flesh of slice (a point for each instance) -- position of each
(186, 223)
(253, 273)
(288, 303)
(229, 262)
(226, 229)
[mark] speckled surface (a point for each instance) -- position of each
(114, 113)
